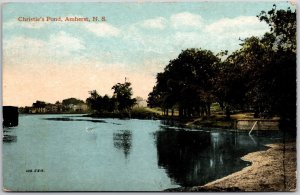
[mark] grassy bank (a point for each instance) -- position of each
(217, 119)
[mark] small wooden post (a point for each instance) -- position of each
(252, 127)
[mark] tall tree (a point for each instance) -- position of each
(267, 68)
(123, 93)
(282, 39)
(94, 101)
(186, 83)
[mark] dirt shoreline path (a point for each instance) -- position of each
(271, 170)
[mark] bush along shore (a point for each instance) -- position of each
(137, 113)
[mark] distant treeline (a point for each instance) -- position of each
(69, 105)
(260, 76)
(119, 105)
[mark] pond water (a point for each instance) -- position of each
(74, 153)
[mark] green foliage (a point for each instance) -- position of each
(186, 83)
(260, 76)
(154, 98)
(73, 101)
(101, 104)
(121, 100)
(123, 93)
(144, 113)
(283, 26)
(39, 104)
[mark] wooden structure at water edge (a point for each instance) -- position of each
(10, 116)
(257, 124)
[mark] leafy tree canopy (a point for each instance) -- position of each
(73, 101)
(122, 94)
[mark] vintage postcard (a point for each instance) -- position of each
(149, 96)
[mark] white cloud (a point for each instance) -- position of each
(155, 23)
(187, 39)
(241, 26)
(102, 29)
(187, 30)
(23, 50)
(66, 42)
(186, 19)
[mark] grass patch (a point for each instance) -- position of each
(145, 113)
(213, 121)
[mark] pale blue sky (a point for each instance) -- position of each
(136, 41)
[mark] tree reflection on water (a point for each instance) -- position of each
(123, 141)
(8, 135)
(195, 158)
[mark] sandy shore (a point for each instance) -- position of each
(271, 170)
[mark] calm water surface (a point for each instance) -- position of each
(69, 152)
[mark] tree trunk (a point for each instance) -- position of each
(180, 112)
(208, 109)
(227, 112)
(256, 114)
(202, 111)
(221, 105)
